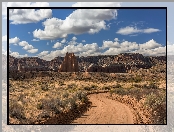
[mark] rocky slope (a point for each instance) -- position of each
(124, 62)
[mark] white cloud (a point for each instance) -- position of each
(84, 41)
(78, 22)
(107, 44)
(72, 42)
(74, 38)
(79, 50)
(63, 40)
(151, 30)
(4, 51)
(14, 40)
(128, 30)
(170, 48)
(32, 50)
(24, 16)
(4, 38)
(28, 32)
(23, 43)
(149, 48)
(131, 30)
(35, 40)
(97, 4)
(17, 55)
(151, 44)
(116, 39)
(47, 43)
(114, 47)
(28, 47)
(21, 4)
(43, 53)
(57, 45)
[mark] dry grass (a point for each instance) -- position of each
(40, 99)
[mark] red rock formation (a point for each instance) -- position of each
(70, 63)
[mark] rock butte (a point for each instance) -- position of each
(70, 63)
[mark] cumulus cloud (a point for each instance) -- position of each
(43, 53)
(22, 4)
(74, 38)
(14, 40)
(151, 44)
(28, 32)
(78, 22)
(79, 50)
(116, 39)
(35, 40)
(17, 55)
(148, 48)
(97, 4)
(32, 50)
(28, 47)
(84, 41)
(57, 45)
(63, 40)
(132, 30)
(24, 16)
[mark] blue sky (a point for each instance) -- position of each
(142, 31)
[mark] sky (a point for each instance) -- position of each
(53, 32)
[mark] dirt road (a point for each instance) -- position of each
(106, 111)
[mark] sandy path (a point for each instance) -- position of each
(105, 111)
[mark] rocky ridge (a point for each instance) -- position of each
(124, 62)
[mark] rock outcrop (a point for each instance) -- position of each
(70, 63)
(120, 63)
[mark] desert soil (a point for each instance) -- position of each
(106, 111)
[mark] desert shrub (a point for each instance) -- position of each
(73, 85)
(137, 79)
(44, 88)
(72, 103)
(82, 96)
(106, 88)
(94, 86)
(153, 85)
(121, 91)
(87, 88)
(39, 106)
(137, 85)
(157, 102)
(16, 110)
(53, 104)
(61, 83)
(145, 86)
(65, 94)
(117, 86)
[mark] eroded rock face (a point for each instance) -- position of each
(124, 62)
(70, 63)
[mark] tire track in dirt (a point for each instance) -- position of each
(106, 111)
